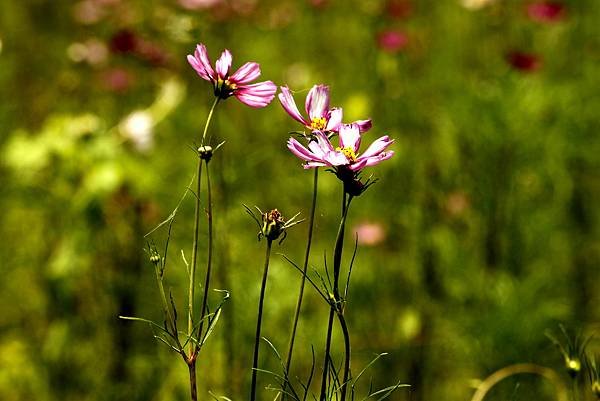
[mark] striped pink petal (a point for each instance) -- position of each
(246, 73)
(256, 95)
(297, 149)
(201, 63)
(377, 147)
(371, 161)
(224, 64)
(364, 125)
(317, 102)
(350, 136)
(334, 120)
(289, 105)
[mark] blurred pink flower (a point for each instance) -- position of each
(236, 84)
(321, 152)
(526, 62)
(369, 233)
(546, 11)
(392, 41)
(117, 79)
(320, 116)
(198, 4)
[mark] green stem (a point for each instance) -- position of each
(166, 308)
(193, 388)
(196, 225)
(346, 333)
(574, 389)
(209, 257)
(337, 262)
(259, 322)
(311, 222)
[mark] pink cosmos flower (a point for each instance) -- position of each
(546, 11)
(236, 84)
(320, 116)
(392, 41)
(321, 152)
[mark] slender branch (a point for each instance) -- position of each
(193, 388)
(311, 222)
(196, 226)
(327, 351)
(496, 377)
(346, 333)
(209, 257)
(337, 262)
(210, 113)
(259, 321)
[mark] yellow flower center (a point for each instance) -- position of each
(318, 123)
(230, 85)
(348, 152)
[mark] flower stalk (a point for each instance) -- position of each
(311, 221)
(259, 320)
(337, 306)
(192, 281)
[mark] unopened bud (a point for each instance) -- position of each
(573, 366)
(205, 152)
(273, 224)
(155, 259)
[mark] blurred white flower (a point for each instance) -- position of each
(93, 51)
(138, 128)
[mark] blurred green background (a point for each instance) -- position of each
(481, 234)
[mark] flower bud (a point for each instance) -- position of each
(155, 259)
(273, 224)
(205, 152)
(573, 366)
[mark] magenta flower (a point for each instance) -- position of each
(546, 11)
(320, 116)
(392, 41)
(321, 152)
(236, 84)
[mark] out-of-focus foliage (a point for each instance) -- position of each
(481, 233)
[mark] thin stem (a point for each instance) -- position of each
(210, 113)
(193, 389)
(496, 377)
(574, 389)
(209, 257)
(196, 226)
(166, 308)
(337, 262)
(346, 333)
(259, 322)
(311, 222)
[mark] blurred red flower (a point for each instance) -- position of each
(392, 41)
(526, 62)
(546, 11)
(398, 8)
